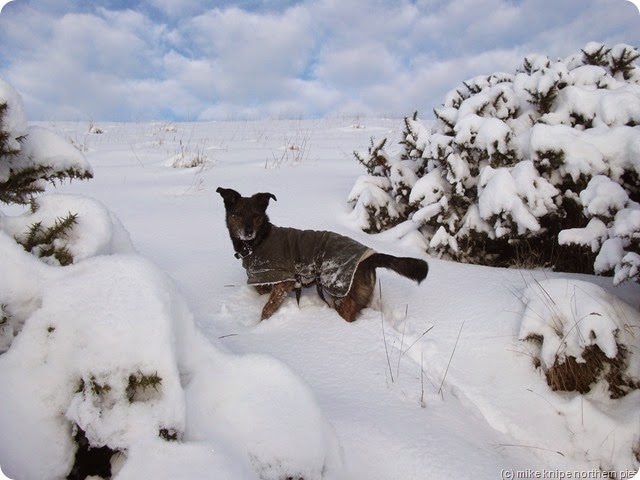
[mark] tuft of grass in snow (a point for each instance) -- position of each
(189, 156)
(384, 337)
(571, 374)
(451, 358)
(295, 150)
(580, 339)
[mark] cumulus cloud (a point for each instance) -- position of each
(252, 53)
(3, 3)
(153, 59)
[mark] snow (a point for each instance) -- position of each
(51, 150)
(603, 197)
(15, 120)
(568, 316)
(97, 232)
(432, 381)
(580, 157)
(593, 235)
(499, 194)
(605, 200)
(429, 189)
(572, 315)
(111, 317)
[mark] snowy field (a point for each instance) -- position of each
(432, 382)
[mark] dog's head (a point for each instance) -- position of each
(246, 216)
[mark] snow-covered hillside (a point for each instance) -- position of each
(432, 382)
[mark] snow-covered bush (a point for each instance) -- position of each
(50, 232)
(31, 156)
(581, 335)
(381, 197)
(510, 171)
(107, 359)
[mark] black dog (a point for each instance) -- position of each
(279, 260)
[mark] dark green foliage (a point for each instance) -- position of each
(26, 177)
(93, 386)
(5, 149)
(377, 163)
(139, 384)
(382, 219)
(4, 315)
(543, 100)
(598, 57)
(168, 434)
(623, 62)
(23, 177)
(445, 121)
(410, 140)
(42, 240)
(26, 183)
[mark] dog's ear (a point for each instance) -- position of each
(229, 196)
(262, 199)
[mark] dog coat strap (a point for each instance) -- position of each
(320, 291)
(244, 252)
(240, 255)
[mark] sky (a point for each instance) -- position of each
(188, 60)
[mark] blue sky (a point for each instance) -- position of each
(202, 60)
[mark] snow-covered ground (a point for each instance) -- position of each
(432, 382)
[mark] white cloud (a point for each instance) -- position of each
(3, 3)
(252, 51)
(357, 66)
(256, 58)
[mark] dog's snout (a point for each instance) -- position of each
(246, 230)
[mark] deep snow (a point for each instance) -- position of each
(431, 382)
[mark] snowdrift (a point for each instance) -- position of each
(90, 333)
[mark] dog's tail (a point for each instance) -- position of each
(412, 268)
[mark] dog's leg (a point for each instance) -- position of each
(364, 281)
(278, 293)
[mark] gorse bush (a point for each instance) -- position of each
(536, 168)
(31, 158)
(48, 241)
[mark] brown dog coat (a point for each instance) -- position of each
(306, 256)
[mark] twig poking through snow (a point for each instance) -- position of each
(404, 329)
(384, 337)
(417, 339)
(451, 358)
(422, 402)
(530, 446)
